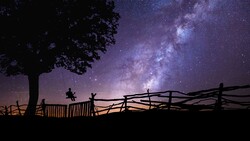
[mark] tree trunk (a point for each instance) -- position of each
(33, 95)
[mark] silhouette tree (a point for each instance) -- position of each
(37, 36)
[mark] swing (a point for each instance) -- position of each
(70, 95)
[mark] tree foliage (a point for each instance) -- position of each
(37, 36)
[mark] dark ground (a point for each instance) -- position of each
(161, 123)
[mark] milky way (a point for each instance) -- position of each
(161, 45)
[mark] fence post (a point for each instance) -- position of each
(18, 108)
(11, 110)
(92, 106)
(65, 111)
(69, 110)
(43, 107)
(169, 100)
(125, 103)
(219, 102)
(149, 99)
(121, 107)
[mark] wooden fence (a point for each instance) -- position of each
(79, 109)
(18, 109)
(54, 110)
(215, 99)
(51, 110)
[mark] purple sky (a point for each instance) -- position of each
(184, 45)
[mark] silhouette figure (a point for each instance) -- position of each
(70, 95)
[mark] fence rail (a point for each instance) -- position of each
(205, 100)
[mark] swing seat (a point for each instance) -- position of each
(70, 97)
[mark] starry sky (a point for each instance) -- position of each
(185, 45)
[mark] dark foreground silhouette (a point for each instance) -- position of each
(151, 121)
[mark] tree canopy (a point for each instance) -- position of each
(39, 35)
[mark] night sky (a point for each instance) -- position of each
(161, 45)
